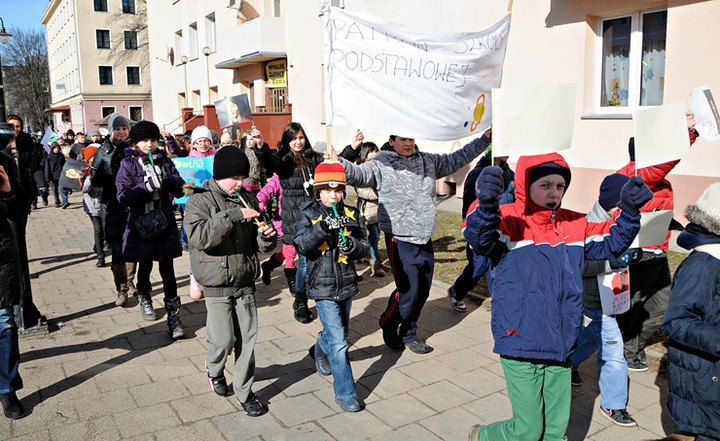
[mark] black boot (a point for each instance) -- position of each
(290, 276)
(12, 407)
(300, 308)
(172, 308)
(146, 306)
(267, 267)
(120, 278)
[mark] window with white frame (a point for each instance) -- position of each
(193, 41)
(136, 113)
(102, 38)
(105, 75)
(100, 5)
(179, 47)
(210, 32)
(131, 39)
(133, 75)
(128, 6)
(631, 61)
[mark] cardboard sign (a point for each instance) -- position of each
(72, 174)
(707, 119)
(532, 120)
(234, 110)
(614, 292)
(653, 228)
(195, 170)
(661, 134)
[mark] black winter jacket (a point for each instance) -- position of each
(53, 166)
(692, 320)
(9, 210)
(293, 180)
(330, 274)
(105, 166)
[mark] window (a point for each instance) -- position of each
(133, 75)
(102, 38)
(193, 42)
(109, 110)
(210, 32)
(178, 47)
(131, 40)
(105, 74)
(128, 6)
(136, 113)
(632, 61)
(100, 5)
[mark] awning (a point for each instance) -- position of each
(252, 58)
(57, 109)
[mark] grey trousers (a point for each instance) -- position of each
(232, 323)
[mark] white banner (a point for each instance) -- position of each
(417, 83)
(661, 134)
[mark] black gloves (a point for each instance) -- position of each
(632, 255)
(347, 245)
(489, 185)
(335, 223)
(634, 195)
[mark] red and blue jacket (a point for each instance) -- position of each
(538, 257)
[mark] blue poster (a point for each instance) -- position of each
(196, 170)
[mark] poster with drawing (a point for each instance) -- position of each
(707, 119)
(233, 110)
(614, 292)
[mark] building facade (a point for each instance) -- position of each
(98, 61)
(623, 55)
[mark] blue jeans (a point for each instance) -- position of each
(10, 380)
(373, 239)
(300, 275)
(183, 234)
(333, 341)
(603, 333)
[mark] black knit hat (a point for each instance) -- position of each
(549, 168)
(144, 130)
(610, 189)
(230, 162)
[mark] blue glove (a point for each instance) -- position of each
(634, 195)
(630, 256)
(489, 185)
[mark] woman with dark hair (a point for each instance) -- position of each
(294, 162)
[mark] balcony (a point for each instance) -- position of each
(255, 41)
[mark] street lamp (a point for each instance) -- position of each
(206, 52)
(184, 61)
(4, 37)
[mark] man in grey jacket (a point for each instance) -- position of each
(405, 181)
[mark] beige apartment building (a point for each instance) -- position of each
(623, 55)
(98, 61)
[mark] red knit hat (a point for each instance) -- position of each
(329, 175)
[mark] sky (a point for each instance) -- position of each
(23, 14)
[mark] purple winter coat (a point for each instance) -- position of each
(131, 193)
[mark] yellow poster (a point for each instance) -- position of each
(276, 72)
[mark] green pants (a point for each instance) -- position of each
(540, 398)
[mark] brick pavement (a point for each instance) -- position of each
(104, 373)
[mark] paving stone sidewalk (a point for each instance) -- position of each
(103, 373)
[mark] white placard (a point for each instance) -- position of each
(707, 119)
(653, 228)
(614, 292)
(661, 134)
(414, 82)
(534, 120)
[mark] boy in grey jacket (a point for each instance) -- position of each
(225, 234)
(405, 181)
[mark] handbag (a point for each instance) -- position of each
(150, 224)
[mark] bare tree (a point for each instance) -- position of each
(136, 22)
(27, 77)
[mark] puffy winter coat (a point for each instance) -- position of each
(538, 259)
(265, 196)
(53, 166)
(330, 274)
(133, 194)
(692, 320)
(10, 209)
(293, 180)
(406, 187)
(223, 245)
(105, 167)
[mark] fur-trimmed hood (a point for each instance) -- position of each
(700, 217)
